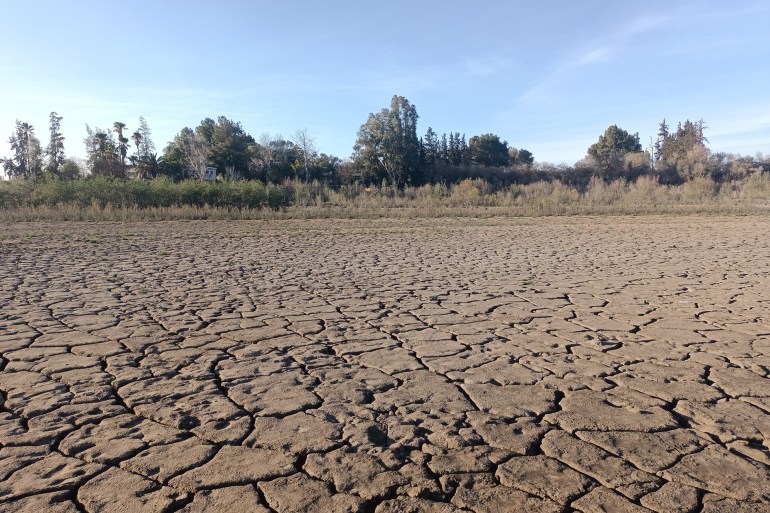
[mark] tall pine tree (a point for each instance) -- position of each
(55, 149)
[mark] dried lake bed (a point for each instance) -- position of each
(486, 365)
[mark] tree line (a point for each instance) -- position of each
(388, 149)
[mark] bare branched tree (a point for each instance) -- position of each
(232, 174)
(306, 146)
(266, 155)
(196, 154)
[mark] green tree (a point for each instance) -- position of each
(27, 134)
(444, 149)
(273, 159)
(90, 143)
(610, 151)
(464, 151)
(101, 150)
(431, 148)
(488, 150)
(147, 146)
(26, 161)
(70, 169)
(227, 147)
(231, 146)
(326, 167)
(55, 149)
(520, 157)
(387, 143)
(206, 129)
(663, 135)
(682, 155)
(173, 159)
(457, 149)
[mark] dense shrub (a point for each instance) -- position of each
(107, 198)
(160, 192)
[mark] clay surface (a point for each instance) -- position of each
(479, 365)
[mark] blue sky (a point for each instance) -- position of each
(549, 76)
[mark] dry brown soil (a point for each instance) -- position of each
(541, 365)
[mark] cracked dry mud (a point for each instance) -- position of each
(551, 365)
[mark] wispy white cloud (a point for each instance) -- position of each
(742, 123)
(486, 65)
(603, 49)
(408, 79)
(642, 25)
(589, 57)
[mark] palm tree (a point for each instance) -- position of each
(137, 137)
(123, 150)
(150, 165)
(103, 153)
(118, 128)
(122, 144)
(100, 139)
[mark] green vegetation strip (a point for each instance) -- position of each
(102, 198)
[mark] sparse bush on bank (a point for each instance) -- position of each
(110, 199)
